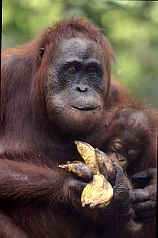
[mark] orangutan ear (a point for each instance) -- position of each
(41, 53)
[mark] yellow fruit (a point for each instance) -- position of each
(79, 168)
(105, 165)
(97, 193)
(88, 154)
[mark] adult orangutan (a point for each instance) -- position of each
(54, 91)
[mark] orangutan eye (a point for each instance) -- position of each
(132, 152)
(72, 70)
(92, 70)
(117, 146)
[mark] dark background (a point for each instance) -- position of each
(130, 26)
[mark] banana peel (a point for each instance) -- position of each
(79, 168)
(99, 192)
(87, 152)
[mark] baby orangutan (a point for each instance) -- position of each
(131, 138)
(132, 142)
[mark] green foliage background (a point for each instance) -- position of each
(130, 26)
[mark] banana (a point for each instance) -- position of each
(87, 152)
(78, 168)
(99, 192)
(105, 164)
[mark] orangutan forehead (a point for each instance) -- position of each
(81, 48)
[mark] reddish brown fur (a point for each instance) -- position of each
(29, 93)
(147, 127)
(148, 157)
(118, 94)
(31, 185)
